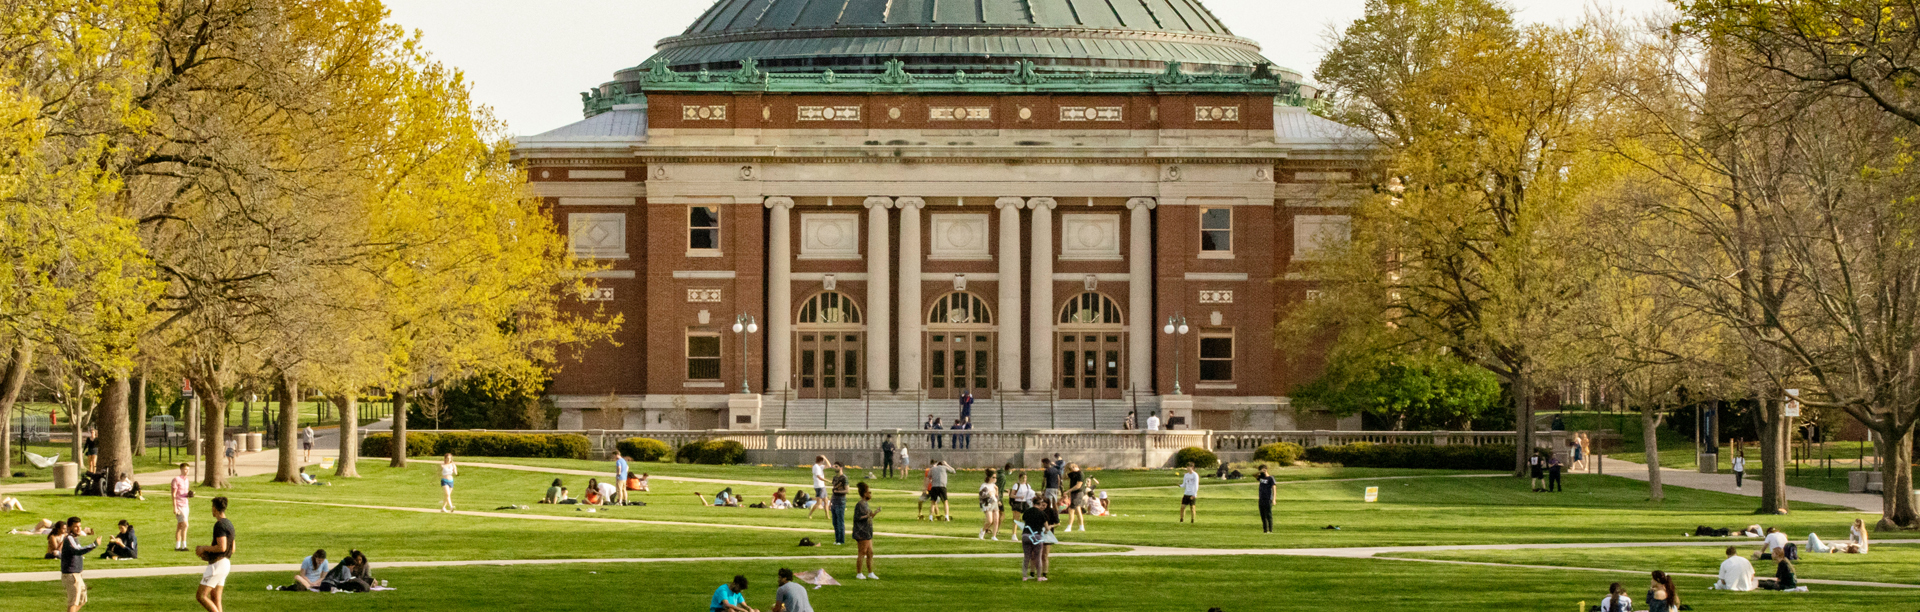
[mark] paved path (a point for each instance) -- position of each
(609, 472)
(1723, 483)
(1250, 481)
(326, 443)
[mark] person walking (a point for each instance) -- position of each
(73, 559)
(1267, 485)
(886, 457)
(219, 558)
(306, 442)
(620, 468)
(863, 514)
(966, 404)
(1076, 497)
(233, 448)
(1189, 495)
(182, 490)
(1739, 471)
(447, 471)
(839, 508)
(937, 496)
(819, 481)
(990, 506)
(1554, 468)
(789, 596)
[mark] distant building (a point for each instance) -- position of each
(916, 200)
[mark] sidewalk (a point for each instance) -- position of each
(1723, 483)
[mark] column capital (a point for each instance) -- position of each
(779, 202)
(878, 201)
(1036, 203)
(909, 202)
(1148, 203)
(1016, 203)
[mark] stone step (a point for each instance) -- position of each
(857, 414)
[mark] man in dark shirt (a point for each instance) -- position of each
(1266, 500)
(1051, 469)
(219, 555)
(1037, 519)
(886, 457)
(839, 505)
(73, 558)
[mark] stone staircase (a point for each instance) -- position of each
(860, 414)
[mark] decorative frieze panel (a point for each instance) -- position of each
(1091, 113)
(829, 113)
(830, 236)
(597, 235)
(597, 174)
(1216, 113)
(960, 113)
(1216, 297)
(959, 236)
(596, 294)
(1090, 236)
(696, 112)
(703, 296)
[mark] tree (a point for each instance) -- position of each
(1415, 391)
(1484, 126)
(1864, 50)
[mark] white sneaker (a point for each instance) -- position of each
(873, 576)
(983, 535)
(269, 587)
(1083, 527)
(860, 576)
(996, 538)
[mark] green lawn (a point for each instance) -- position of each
(150, 462)
(1890, 563)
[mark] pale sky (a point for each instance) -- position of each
(530, 59)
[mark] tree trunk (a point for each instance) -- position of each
(399, 445)
(213, 430)
(1650, 437)
(349, 406)
(1896, 473)
(1522, 424)
(76, 416)
(112, 422)
(140, 415)
(246, 410)
(16, 377)
(287, 426)
(1773, 444)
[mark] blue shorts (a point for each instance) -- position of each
(446, 483)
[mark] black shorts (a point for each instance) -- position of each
(1186, 500)
(937, 494)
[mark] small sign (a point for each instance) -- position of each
(1793, 403)
(1373, 494)
(186, 388)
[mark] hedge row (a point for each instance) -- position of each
(1200, 458)
(476, 444)
(644, 449)
(1364, 454)
(711, 452)
(1280, 453)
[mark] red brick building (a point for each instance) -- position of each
(915, 200)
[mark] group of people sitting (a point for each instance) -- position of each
(123, 545)
(726, 498)
(1662, 596)
(352, 575)
(1736, 572)
(597, 494)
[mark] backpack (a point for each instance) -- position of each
(986, 499)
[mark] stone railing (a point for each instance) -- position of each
(983, 448)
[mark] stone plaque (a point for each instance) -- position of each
(830, 236)
(597, 235)
(959, 236)
(1090, 236)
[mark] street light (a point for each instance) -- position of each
(1176, 326)
(743, 325)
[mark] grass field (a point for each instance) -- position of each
(1889, 563)
(280, 523)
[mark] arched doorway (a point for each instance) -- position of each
(829, 336)
(960, 353)
(1091, 339)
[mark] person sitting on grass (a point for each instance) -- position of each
(313, 573)
(731, 597)
(350, 576)
(1857, 537)
(1784, 579)
(125, 545)
(1663, 595)
(126, 487)
(804, 501)
(724, 499)
(56, 538)
(555, 493)
(1774, 544)
(306, 478)
(1736, 573)
(593, 496)
(638, 482)
(1617, 600)
(780, 500)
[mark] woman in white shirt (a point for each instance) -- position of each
(1021, 494)
(447, 471)
(1617, 600)
(1857, 537)
(989, 508)
(1739, 471)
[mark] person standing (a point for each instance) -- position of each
(820, 480)
(1076, 497)
(182, 491)
(1537, 470)
(219, 558)
(1036, 528)
(447, 471)
(966, 404)
(886, 457)
(73, 559)
(937, 490)
(933, 425)
(306, 442)
(990, 506)
(1554, 469)
(1153, 421)
(1267, 485)
(953, 441)
(620, 469)
(906, 462)
(1739, 471)
(790, 596)
(1050, 478)
(1130, 421)
(839, 507)
(863, 514)
(1189, 495)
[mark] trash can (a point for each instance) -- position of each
(66, 475)
(255, 442)
(1709, 463)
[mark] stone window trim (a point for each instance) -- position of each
(703, 353)
(1216, 233)
(1216, 354)
(703, 233)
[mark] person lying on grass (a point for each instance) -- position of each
(44, 527)
(8, 504)
(725, 498)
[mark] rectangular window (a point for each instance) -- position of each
(1216, 230)
(703, 228)
(703, 356)
(1216, 356)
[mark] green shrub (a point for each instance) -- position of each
(1280, 453)
(381, 445)
(722, 452)
(644, 449)
(1200, 458)
(1362, 454)
(689, 452)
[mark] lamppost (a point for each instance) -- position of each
(743, 325)
(1176, 327)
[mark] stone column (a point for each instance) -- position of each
(1040, 305)
(912, 310)
(1140, 317)
(779, 294)
(1009, 283)
(879, 295)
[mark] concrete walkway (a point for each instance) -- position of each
(1723, 483)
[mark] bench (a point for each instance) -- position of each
(1864, 482)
